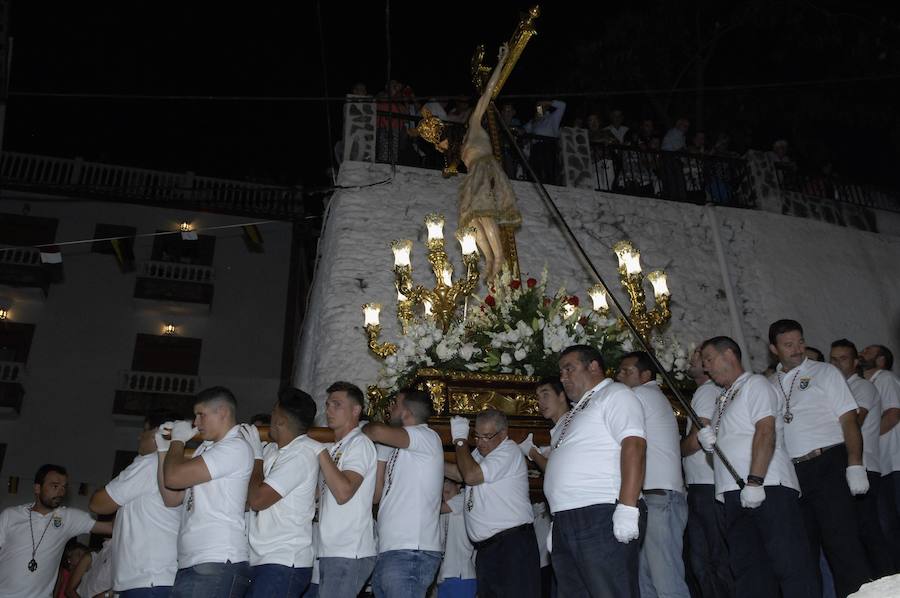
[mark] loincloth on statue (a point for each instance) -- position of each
(485, 191)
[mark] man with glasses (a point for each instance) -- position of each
(497, 509)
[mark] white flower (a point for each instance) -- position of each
(443, 352)
(466, 351)
(680, 363)
(520, 354)
(505, 358)
(529, 369)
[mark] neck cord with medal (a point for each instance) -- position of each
(788, 416)
(571, 415)
(32, 564)
(389, 470)
(725, 400)
(336, 454)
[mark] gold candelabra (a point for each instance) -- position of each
(438, 303)
(645, 320)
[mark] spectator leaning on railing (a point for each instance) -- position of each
(548, 115)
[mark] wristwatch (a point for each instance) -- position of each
(459, 442)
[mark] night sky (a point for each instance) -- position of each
(273, 49)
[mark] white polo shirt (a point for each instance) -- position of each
(410, 507)
(57, 528)
(866, 396)
(819, 395)
(212, 515)
(889, 390)
(752, 399)
(145, 536)
(282, 534)
(99, 578)
(585, 468)
(663, 449)
(554, 436)
(459, 554)
(698, 468)
(500, 502)
(346, 530)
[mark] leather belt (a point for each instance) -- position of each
(815, 453)
(656, 491)
(500, 535)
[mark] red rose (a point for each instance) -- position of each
(515, 283)
(573, 301)
(490, 300)
(531, 282)
(583, 320)
(547, 301)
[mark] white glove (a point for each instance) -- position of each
(752, 496)
(162, 445)
(182, 431)
(625, 523)
(459, 428)
(857, 479)
(707, 438)
(550, 538)
(526, 445)
(250, 433)
(384, 452)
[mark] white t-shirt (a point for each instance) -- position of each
(752, 398)
(410, 506)
(889, 390)
(145, 536)
(459, 554)
(346, 530)
(99, 578)
(212, 516)
(818, 396)
(554, 436)
(500, 502)
(57, 528)
(698, 468)
(282, 534)
(866, 396)
(663, 449)
(585, 469)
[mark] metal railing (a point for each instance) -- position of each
(826, 187)
(176, 271)
(110, 182)
(135, 381)
(12, 371)
(20, 256)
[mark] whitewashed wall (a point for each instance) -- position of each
(836, 281)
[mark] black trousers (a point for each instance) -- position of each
(878, 549)
(830, 519)
(508, 565)
(768, 548)
(889, 512)
(706, 547)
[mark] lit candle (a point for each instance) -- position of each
(633, 262)
(598, 296)
(401, 250)
(435, 225)
(427, 305)
(622, 249)
(447, 275)
(371, 312)
(659, 282)
(466, 238)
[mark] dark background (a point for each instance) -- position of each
(657, 59)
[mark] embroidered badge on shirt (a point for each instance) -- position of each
(804, 383)
(57, 521)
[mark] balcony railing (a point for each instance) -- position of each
(826, 187)
(176, 271)
(159, 383)
(138, 393)
(12, 392)
(11, 371)
(137, 185)
(173, 281)
(20, 256)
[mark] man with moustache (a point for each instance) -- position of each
(33, 536)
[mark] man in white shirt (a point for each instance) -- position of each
(553, 404)
(767, 543)
(615, 126)
(145, 538)
(211, 486)
(346, 535)
(456, 577)
(823, 440)
(33, 536)
(707, 550)
(846, 359)
(408, 491)
(876, 362)
(543, 149)
(497, 509)
(282, 498)
(593, 482)
(661, 563)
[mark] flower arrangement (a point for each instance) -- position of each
(518, 329)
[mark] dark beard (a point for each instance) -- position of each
(50, 505)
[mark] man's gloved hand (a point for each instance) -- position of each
(752, 496)
(625, 523)
(162, 445)
(857, 479)
(250, 433)
(707, 438)
(459, 428)
(182, 431)
(384, 452)
(526, 445)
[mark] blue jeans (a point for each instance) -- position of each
(456, 587)
(154, 592)
(343, 578)
(662, 565)
(212, 580)
(404, 573)
(588, 560)
(278, 581)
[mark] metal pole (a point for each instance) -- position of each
(552, 207)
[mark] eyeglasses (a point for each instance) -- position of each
(485, 437)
